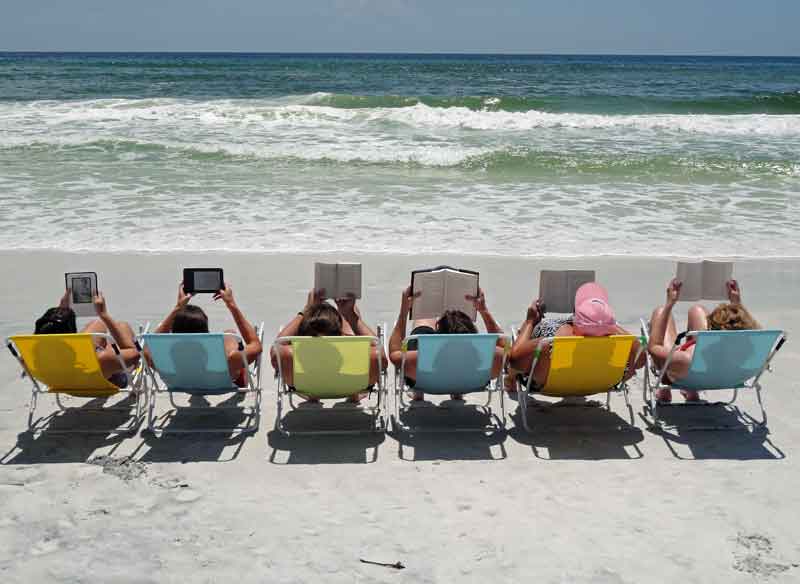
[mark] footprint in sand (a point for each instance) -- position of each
(749, 556)
(45, 546)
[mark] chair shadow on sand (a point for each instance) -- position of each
(324, 449)
(735, 439)
(448, 441)
(577, 431)
(52, 445)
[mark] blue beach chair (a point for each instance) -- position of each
(196, 364)
(722, 360)
(458, 363)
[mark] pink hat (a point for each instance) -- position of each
(593, 316)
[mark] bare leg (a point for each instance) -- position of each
(698, 321)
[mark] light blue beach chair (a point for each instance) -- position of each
(196, 364)
(722, 360)
(456, 363)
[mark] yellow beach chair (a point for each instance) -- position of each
(331, 368)
(67, 364)
(579, 367)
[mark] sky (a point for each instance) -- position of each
(698, 27)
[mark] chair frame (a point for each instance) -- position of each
(524, 392)
(651, 385)
(495, 385)
(252, 413)
(376, 411)
(134, 387)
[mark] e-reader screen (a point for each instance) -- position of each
(82, 288)
(202, 280)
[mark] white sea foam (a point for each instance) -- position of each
(284, 174)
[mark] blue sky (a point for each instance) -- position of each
(725, 27)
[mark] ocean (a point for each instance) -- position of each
(466, 154)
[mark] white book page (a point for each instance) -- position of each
(557, 288)
(430, 303)
(715, 275)
(457, 286)
(325, 278)
(348, 280)
(691, 275)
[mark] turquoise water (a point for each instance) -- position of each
(401, 153)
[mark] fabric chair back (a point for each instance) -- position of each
(456, 363)
(727, 359)
(65, 363)
(193, 363)
(587, 365)
(331, 367)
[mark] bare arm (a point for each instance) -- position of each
(399, 331)
(252, 346)
(165, 326)
(489, 322)
(524, 345)
(109, 363)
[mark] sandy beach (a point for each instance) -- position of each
(618, 504)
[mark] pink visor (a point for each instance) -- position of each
(593, 316)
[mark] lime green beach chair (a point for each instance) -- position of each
(326, 368)
(722, 360)
(66, 364)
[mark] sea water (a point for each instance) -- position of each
(472, 154)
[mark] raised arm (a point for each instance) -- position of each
(123, 339)
(252, 347)
(661, 319)
(524, 345)
(489, 322)
(352, 316)
(165, 326)
(399, 331)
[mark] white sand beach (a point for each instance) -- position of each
(619, 504)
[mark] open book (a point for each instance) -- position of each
(338, 280)
(443, 288)
(704, 280)
(557, 288)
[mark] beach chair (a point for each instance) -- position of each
(328, 368)
(446, 364)
(722, 360)
(196, 364)
(580, 367)
(67, 364)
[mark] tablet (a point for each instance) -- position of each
(82, 288)
(202, 280)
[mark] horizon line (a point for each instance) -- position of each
(396, 53)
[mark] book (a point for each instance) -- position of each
(443, 288)
(339, 280)
(557, 288)
(704, 280)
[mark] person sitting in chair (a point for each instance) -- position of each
(593, 317)
(188, 318)
(450, 322)
(61, 320)
(730, 315)
(319, 318)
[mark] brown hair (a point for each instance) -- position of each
(731, 317)
(455, 322)
(320, 320)
(190, 319)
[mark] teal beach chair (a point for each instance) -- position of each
(722, 360)
(196, 364)
(448, 364)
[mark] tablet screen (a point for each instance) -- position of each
(202, 280)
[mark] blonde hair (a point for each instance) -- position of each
(731, 317)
